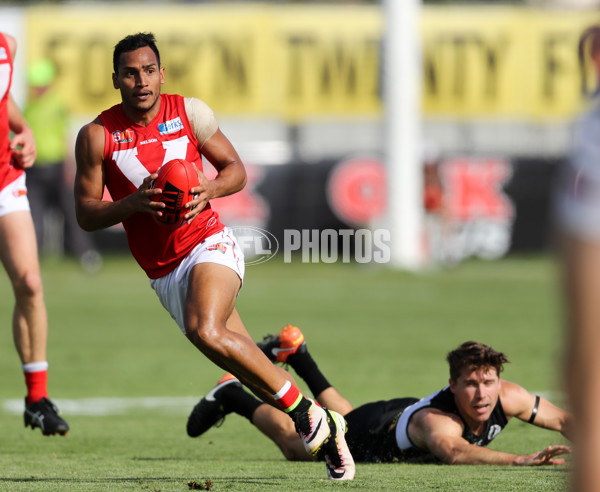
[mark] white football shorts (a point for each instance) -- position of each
(13, 198)
(221, 248)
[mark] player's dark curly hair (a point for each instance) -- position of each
(474, 355)
(132, 43)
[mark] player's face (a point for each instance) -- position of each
(476, 394)
(139, 79)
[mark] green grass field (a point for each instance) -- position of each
(376, 334)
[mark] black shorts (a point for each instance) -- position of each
(371, 434)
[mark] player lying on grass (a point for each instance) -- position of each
(453, 425)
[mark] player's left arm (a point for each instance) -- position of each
(518, 402)
(23, 142)
(216, 147)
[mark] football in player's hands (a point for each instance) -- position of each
(175, 178)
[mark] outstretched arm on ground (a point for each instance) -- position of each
(441, 434)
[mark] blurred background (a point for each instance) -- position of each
(302, 89)
(298, 88)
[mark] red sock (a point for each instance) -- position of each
(37, 385)
(288, 397)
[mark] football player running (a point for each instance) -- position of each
(196, 269)
(19, 254)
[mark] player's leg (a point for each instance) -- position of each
(230, 396)
(18, 253)
(200, 295)
(372, 430)
(289, 347)
(235, 324)
(332, 399)
(209, 309)
(216, 331)
(582, 265)
(274, 424)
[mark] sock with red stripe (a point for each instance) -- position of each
(36, 379)
(291, 401)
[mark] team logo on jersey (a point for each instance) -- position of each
(170, 126)
(494, 431)
(3, 55)
(218, 247)
(122, 136)
(19, 192)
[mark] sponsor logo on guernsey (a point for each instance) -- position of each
(19, 192)
(3, 55)
(170, 126)
(150, 140)
(124, 136)
(218, 247)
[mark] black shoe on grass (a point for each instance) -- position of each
(209, 410)
(44, 414)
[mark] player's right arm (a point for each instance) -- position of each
(92, 212)
(22, 143)
(441, 434)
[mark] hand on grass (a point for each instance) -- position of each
(546, 456)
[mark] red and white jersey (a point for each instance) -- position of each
(132, 152)
(8, 173)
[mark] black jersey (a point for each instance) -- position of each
(377, 432)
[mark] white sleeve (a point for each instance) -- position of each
(577, 195)
(202, 118)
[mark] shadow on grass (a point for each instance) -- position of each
(530, 469)
(246, 480)
(207, 460)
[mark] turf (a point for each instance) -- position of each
(376, 334)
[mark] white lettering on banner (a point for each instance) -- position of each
(487, 239)
(175, 149)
